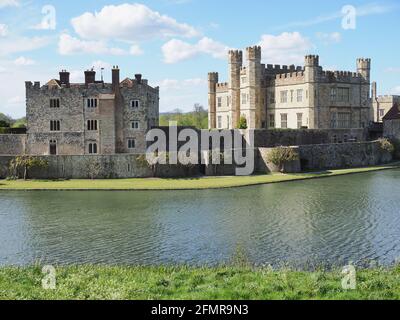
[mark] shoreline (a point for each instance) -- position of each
(177, 184)
(91, 282)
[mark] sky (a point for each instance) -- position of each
(175, 43)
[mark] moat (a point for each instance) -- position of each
(318, 222)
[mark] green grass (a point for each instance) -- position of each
(231, 283)
(178, 184)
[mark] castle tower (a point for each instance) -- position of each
(311, 69)
(254, 72)
(212, 100)
(364, 68)
(235, 63)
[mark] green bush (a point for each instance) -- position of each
(24, 164)
(280, 155)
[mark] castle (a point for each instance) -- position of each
(289, 97)
(94, 117)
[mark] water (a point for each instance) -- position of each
(328, 221)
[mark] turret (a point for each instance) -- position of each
(212, 100)
(235, 63)
(311, 70)
(252, 109)
(364, 68)
(311, 61)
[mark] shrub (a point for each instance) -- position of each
(280, 155)
(386, 145)
(243, 123)
(25, 163)
(93, 168)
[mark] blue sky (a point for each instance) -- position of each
(175, 43)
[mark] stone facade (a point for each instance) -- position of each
(382, 105)
(64, 118)
(288, 96)
(12, 144)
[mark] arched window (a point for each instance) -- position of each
(53, 147)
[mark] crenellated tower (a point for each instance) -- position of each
(254, 73)
(235, 63)
(311, 70)
(364, 69)
(212, 99)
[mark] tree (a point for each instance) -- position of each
(26, 163)
(280, 155)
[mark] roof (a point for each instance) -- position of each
(393, 114)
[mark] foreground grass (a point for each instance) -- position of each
(230, 283)
(178, 184)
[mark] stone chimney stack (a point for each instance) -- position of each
(90, 76)
(138, 78)
(64, 78)
(115, 78)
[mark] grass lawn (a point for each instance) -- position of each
(241, 283)
(177, 184)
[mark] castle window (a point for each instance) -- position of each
(284, 118)
(91, 103)
(135, 104)
(54, 103)
(228, 101)
(92, 148)
(343, 95)
(300, 95)
(244, 80)
(131, 144)
(284, 96)
(55, 125)
(381, 112)
(135, 125)
(244, 98)
(219, 102)
(219, 122)
(299, 120)
(333, 120)
(272, 121)
(92, 125)
(343, 120)
(228, 120)
(291, 95)
(333, 94)
(272, 97)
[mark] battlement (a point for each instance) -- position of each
(278, 69)
(253, 53)
(311, 61)
(222, 86)
(235, 56)
(364, 63)
(297, 74)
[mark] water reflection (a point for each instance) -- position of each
(327, 221)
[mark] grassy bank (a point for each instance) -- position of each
(178, 184)
(138, 283)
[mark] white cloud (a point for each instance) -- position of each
(177, 50)
(173, 84)
(22, 61)
(69, 45)
(393, 70)
(286, 48)
(16, 100)
(8, 3)
(129, 22)
(329, 38)
(135, 50)
(3, 30)
(361, 11)
(22, 44)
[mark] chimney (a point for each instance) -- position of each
(115, 78)
(138, 78)
(90, 76)
(64, 77)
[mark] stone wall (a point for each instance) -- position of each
(12, 144)
(391, 129)
(107, 167)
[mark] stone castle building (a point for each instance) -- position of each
(94, 117)
(382, 104)
(290, 97)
